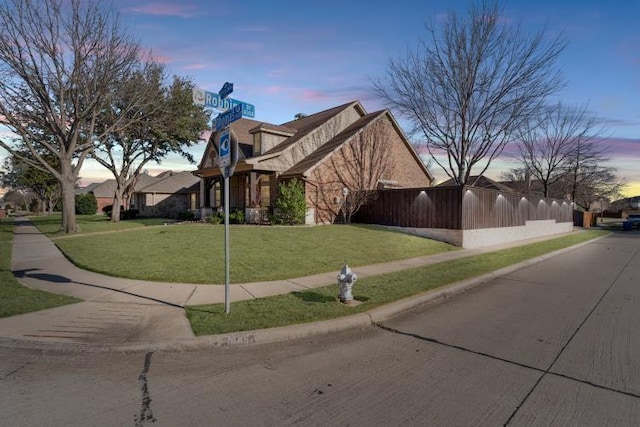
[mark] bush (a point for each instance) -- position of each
(186, 216)
(291, 204)
(129, 214)
(124, 214)
(215, 219)
(236, 217)
(86, 204)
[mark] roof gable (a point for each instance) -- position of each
(480, 181)
(169, 183)
(305, 125)
(307, 165)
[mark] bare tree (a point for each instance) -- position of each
(589, 177)
(596, 183)
(355, 169)
(548, 142)
(472, 85)
(146, 120)
(59, 60)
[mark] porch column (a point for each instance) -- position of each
(203, 195)
(254, 195)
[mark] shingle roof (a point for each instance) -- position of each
(480, 181)
(241, 130)
(306, 124)
(171, 183)
(168, 182)
(88, 189)
(273, 128)
(105, 189)
(321, 153)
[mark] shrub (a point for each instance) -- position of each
(215, 219)
(129, 214)
(86, 204)
(236, 217)
(124, 214)
(186, 216)
(291, 204)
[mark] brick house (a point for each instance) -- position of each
(165, 195)
(329, 152)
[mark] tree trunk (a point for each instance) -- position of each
(117, 205)
(69, 224)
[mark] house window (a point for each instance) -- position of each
(257, 144)
(192, 201)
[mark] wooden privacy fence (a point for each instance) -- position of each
(460, 208)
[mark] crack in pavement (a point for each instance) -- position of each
(543, 372)
(146, 414)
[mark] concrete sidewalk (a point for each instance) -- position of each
(135, 314)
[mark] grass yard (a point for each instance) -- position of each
(322, 303)
(50, 224)
(194, 253)
(15, 298)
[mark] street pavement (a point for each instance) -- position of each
(128, 314)
(551, 343)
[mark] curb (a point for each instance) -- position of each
(292, 332)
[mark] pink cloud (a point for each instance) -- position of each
(313, 95)
(623, 147)
(195, 66)
(274, 90)
(164, 9)
(162, 59)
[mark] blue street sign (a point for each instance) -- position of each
(226, 90)
(224, 119)
(224, 150)
(212, 99)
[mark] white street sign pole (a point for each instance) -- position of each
(227, 303)
(227, 154)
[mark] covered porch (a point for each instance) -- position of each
(252, 192)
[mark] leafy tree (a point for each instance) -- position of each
(20, 174)
(291, 203)
(146, 121)
(472, 85)
(20, 199)
(59, 61)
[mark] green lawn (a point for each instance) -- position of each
(322, 303)
(194, 253)
(50, 224)
(15, 298)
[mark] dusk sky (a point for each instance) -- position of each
(288, 57)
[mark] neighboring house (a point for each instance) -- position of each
(481, 181)
(168, 195)
(165, 195)
(316, 149)
(103, 192)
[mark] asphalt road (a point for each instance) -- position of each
(555, 343)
